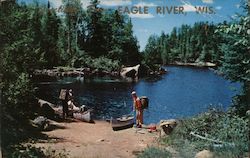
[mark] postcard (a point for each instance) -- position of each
(124, 78)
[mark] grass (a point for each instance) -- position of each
(153, 152)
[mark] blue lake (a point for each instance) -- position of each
(182, 92)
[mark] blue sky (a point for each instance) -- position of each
(152, 23)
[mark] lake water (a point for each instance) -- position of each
(182, 92)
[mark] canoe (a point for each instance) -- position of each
(122, 123)
(83, 116)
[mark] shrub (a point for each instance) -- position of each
(101, 63)
(28, 152)
(18, 92)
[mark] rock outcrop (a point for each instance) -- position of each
(130, 71)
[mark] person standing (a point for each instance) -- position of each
(138, 107)
(65, 105)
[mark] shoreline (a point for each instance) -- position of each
(122, 73)
(58, 72)
(199, 64)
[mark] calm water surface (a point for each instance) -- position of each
(182, 92)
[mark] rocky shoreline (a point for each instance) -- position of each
(125, 72)
(73, 72)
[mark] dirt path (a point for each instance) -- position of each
(85, 140)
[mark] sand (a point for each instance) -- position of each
(96, 140)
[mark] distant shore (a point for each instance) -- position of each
(195, 64)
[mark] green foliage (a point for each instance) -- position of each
(225, 127)
(71, 27)
(27, 152)
(152, 52)
(29, 36)
(236, 60)
(20, 53)
(34, 36)
(152, 152)
(50, 153)
(185, 44)
(233, 129)
(48, 43)
(96, 32)
(18, 57)
(18, 93)
(101, 63)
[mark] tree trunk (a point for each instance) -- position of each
(69, 40)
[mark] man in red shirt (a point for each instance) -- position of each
(138, 107)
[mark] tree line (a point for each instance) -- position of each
(71, 38)
(185, 44)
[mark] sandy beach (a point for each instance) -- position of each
(92, 140)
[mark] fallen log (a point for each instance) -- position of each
(212, 140)
(53, 111)
(43, 102)
(48, 109)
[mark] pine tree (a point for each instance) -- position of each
(236, 60)
(95, 30)
(73, 17)
(50, 30)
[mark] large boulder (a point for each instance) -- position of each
(204, 154)
(167, 126)
(41, 122)
(130, 71)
